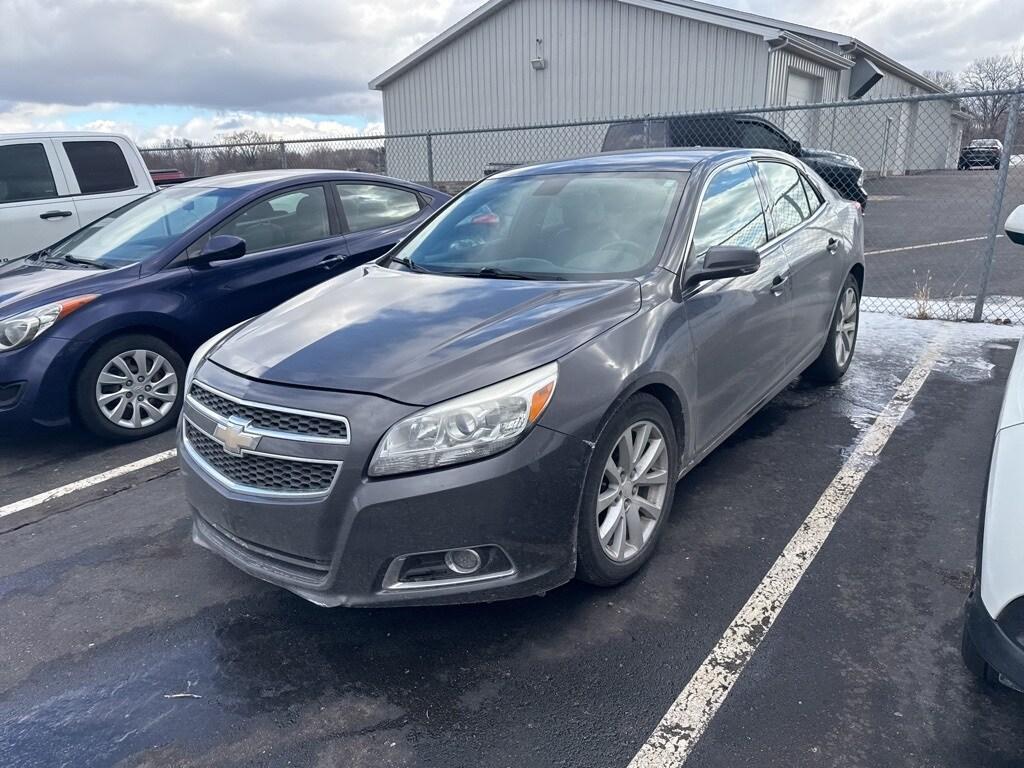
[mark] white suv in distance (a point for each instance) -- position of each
(51, 184)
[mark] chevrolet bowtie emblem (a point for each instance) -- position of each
(235, 437)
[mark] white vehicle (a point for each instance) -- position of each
(51, 184)
(993, 637)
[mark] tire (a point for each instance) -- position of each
(157, 407)
(996, 166)
(595, 563)
(831, 366)
(961, 166)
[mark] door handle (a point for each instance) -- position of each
(55, 215)
(331, 260)
(833, 245)
(779, 283)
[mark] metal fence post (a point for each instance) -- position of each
(997, 205)
(284, 155)
(430, 159)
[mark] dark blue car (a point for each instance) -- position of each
(100, 325)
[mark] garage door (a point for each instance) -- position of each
(802, 89)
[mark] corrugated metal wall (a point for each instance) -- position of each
(781, 62)
(603, 57)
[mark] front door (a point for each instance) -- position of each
(292, 244)
(740, 326)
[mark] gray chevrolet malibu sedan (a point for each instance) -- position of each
(508, 398)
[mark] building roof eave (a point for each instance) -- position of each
(808, 50)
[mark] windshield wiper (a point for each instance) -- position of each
(409, 263)
(508, 274)
(75, 260)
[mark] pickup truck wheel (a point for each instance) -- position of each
(628, 492)
(130, 388)
(834, 360)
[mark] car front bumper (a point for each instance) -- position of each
(338, 550)
(36, 382)
(1003, 652)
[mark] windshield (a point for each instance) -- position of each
(144, 227)
(561, 226)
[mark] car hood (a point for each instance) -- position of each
(813, 156)
(24, 278)
(419, 338)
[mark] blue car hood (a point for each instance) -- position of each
(24, 278)
(420, 338)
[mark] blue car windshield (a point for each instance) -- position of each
(564, 226)
(144, 227)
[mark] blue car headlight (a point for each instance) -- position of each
(469, 427)
(24, 327)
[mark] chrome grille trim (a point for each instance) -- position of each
(266, 408)
(237, 487)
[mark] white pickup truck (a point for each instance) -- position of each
(53, 183)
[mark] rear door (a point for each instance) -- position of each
(293, 242)
(806, 228)
(35, 209)
(376, 216)
(99, 175)
(740, 326)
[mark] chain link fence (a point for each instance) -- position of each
(934, 202)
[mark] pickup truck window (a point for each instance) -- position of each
(759, 136)
(99, 166)
(25, 173)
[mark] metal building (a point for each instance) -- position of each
(530, 62)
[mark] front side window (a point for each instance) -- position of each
(369, 206)
(579, 226)
(786, 194)
(99, 166)
(25, 173)
(292, 218)
(143, 227)
(731, 212)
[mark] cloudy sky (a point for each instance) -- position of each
(157, 69)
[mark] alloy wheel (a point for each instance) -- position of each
(633, 489)
(846, 326)
(136, 388)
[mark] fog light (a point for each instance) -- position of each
(462, 561)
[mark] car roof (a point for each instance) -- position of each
(683, 159)
(262, 179)
(63, 135)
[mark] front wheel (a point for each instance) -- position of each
(628, 492)
(835, 357)
(130, 388)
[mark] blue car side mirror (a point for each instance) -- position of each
(222, 248)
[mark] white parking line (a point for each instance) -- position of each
(78, 485)
(689, 716)
(929, 245)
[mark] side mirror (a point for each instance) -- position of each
(724, 261)
(1015, 225)
(222, 248)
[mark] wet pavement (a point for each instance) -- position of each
(123, 644)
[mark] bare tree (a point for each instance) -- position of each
(991, 73)
(949, 81)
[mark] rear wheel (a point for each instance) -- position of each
(837, 353)
(628, 492)
(130, 388)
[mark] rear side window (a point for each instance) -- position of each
(99, 166)
(786, 192)
(814, 199)
(25, 173)
(368, 206)
(731, 212)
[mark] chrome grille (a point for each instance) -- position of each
(287, 422)
(262, 473)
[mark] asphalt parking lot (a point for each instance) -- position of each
(125, 644)
(930, 229)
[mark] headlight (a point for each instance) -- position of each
(203, 352)
(470, 427)
(18, 330)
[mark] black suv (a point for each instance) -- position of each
(842, 172)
